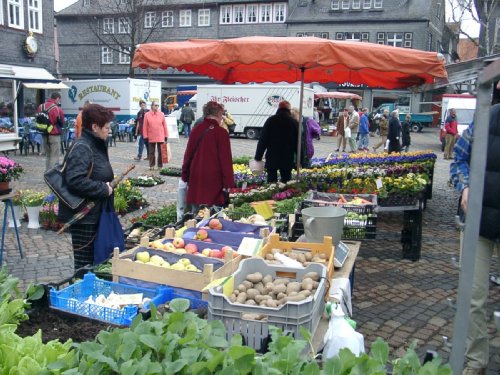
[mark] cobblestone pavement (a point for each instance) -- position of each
(395, 299)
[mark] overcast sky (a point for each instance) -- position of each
(467, 24)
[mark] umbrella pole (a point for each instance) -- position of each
(299, 141)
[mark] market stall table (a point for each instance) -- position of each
(7, 200)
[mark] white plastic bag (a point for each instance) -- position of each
(347, 132)
(386, 147)
(257, 167)
(341, 335)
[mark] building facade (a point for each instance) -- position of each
(93, 37)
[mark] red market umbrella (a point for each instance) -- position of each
(290, 59)
(337, 95)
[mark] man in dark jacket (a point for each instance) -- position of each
(187, 118)
(52, 140)
(279, 141)
(394, 133)
(477, 351)
(139, 124)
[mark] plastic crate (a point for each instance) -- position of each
(72, 299)
(153, 233)
(319, 199)
(288, 317)
(359, 233)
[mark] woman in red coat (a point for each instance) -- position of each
(208, 166)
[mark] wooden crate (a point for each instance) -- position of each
(164, 276)
(326, 248)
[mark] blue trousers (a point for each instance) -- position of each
(142, 143)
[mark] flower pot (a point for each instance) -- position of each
(4, 185)
(17, 214)
(33, 215)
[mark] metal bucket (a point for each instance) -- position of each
(323, 221)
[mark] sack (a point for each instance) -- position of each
(42, 120)
(347, 132)
(165, 157)
(109, 233)
(54, 178)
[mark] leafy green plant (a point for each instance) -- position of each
(158, 218)
(31, 198)
(287, 206)
(171, 171)
(236, 213)
(242, 159)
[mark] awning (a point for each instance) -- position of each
(26, 73)
(45, 86)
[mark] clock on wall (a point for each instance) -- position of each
(31, 45)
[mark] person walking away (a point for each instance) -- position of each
(477, 343)
(394, 133)
(155, 133)
(187, 118)
(451, 129)
(78, 121)
(341, 123)
(89, 154)
(364, 131)
(139, 131)
(405, 133)
(207, 167)
(383, 126)
(278, 141)
(52, 139)
(353, 124)
(310, 130)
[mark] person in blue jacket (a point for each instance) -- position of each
(364, 131)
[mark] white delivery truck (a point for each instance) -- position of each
(251, 105)
(465, 107)
(122, 96)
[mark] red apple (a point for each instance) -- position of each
(191, 248)
(178, 242)
(207, 240)
(215, 254)
(201, 234)
(215, 224)
(225, 249)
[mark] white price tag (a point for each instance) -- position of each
(379, 183)
(244, 186)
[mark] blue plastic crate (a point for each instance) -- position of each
(72, 299)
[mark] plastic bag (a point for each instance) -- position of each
(255, 166)
(341, 335)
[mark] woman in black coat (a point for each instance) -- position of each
(394, 133)
(279, 141)
(88, 174)
(405, 133)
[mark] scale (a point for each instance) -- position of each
(341, 253)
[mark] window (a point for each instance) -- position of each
(265, 13)
(225, 14)
(35, 15)
(365, 37)
(106, 55)
(345, 4)
(167, 18)
(185, 18)
(300, 35)
(356, 4)
(497, 32)
(367, 4)
(429, 47)
(438, 11)
(108, 26)
(1, 14)
(353, 37)
(123, 25)
(377, 4)
(395, 39)
(86, 3)
(339, 36)
(324, 35)
(408, 40)
(123, 2)
(252, 11)
(381, 38)
(124, 55)
(279, 12)
(335, 4)
(204, 17)
(15, 14)
(238, 14)
(149, 19)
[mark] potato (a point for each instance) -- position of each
(259, 287)
(292, 294)
(279, 288)
(248, 284)
(315, 284)
(293, 287)
(255, 277)
(242, 297)
(282, 280)
(242, 288)
(301, 258)
(271, 303)
(318, 260)
(261, 298)
(322, 256)
(269, 257)
(263, 303)
(250, 302)
(307, 284)
(293, 256)
(232, 298)
(251, 293)
(236, 292)
(267, 279)
(305, 293)
(280, 296)
(308, 256)
(270, 285)
(295, 298)
(312, 275)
